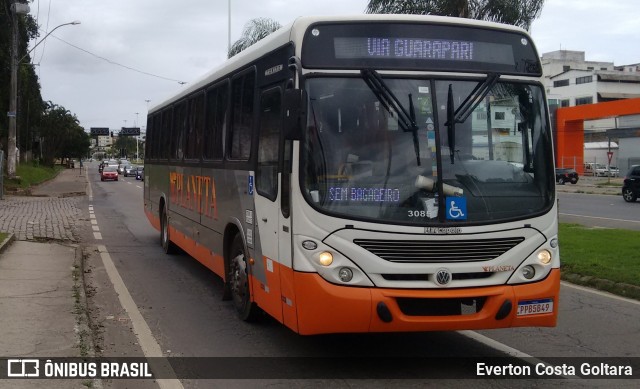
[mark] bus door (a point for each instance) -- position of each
(274, 236)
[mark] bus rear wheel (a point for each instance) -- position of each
(238, 279)
(165, 240)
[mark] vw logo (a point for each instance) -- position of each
(443, 277)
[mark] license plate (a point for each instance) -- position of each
(535, 307)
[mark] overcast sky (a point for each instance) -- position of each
(130, 51)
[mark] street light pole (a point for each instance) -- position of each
(22, 9)
(136, 125)
(45, 37)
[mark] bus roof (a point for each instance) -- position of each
(295, 30)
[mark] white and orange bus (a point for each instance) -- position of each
(373, 173)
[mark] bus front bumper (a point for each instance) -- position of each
(323, 307)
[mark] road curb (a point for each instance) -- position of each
(6, 242)
(617, 288)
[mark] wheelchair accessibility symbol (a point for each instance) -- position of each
(456, 208)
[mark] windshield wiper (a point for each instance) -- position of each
(406, 120)
(466, 108)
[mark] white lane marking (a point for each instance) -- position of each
(129, 182)
(89, 190)
(96, 228)
(148, 343)
(600, 293)
(601, 218)
(94, 221)
(97, 236)
(494, 344)
(138, 186)
(92, 215)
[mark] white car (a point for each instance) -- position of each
(595, 169)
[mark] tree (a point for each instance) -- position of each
(254, 30)
(30, 104)
(126, 143)
(516, 12)
(61, 135)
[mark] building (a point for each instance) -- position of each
(597, 152)
(570, 80)
(104, 141)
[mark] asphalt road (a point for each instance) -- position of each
(180, 303)
(599, 210)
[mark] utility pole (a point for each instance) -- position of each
(22, 9)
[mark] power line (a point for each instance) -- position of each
(44, 46)
(119, 64)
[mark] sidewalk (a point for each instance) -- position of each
(41, 291)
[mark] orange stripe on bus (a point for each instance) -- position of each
(268, 296)
(153, 219)
(201, 253)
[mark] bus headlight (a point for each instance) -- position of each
(325, 258)
(345, 274)
(544, 256)
(528, 272)
(328, 262)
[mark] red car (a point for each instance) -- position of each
(109, 173)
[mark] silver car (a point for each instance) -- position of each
(122, 167)
(130, 170)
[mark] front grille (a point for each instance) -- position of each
(429, 251)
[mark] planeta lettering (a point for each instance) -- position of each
(195, 193)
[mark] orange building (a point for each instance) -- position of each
(570, 125)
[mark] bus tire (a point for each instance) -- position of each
(165, 240)
(238, 280)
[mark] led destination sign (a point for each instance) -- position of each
(426, 49)
(419, 46)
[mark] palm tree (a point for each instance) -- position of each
(516, 12)
(253, 31)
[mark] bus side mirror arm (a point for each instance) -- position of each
(294, 111)
(295, 66)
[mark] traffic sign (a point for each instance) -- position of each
(96, 131)
(135, 131)
(609, 155)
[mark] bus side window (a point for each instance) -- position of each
(178, 131)
(243, 89)
(215, 121)
(194, 127)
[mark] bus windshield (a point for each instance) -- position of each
(361, 160)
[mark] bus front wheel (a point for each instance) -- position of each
(238, 279)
